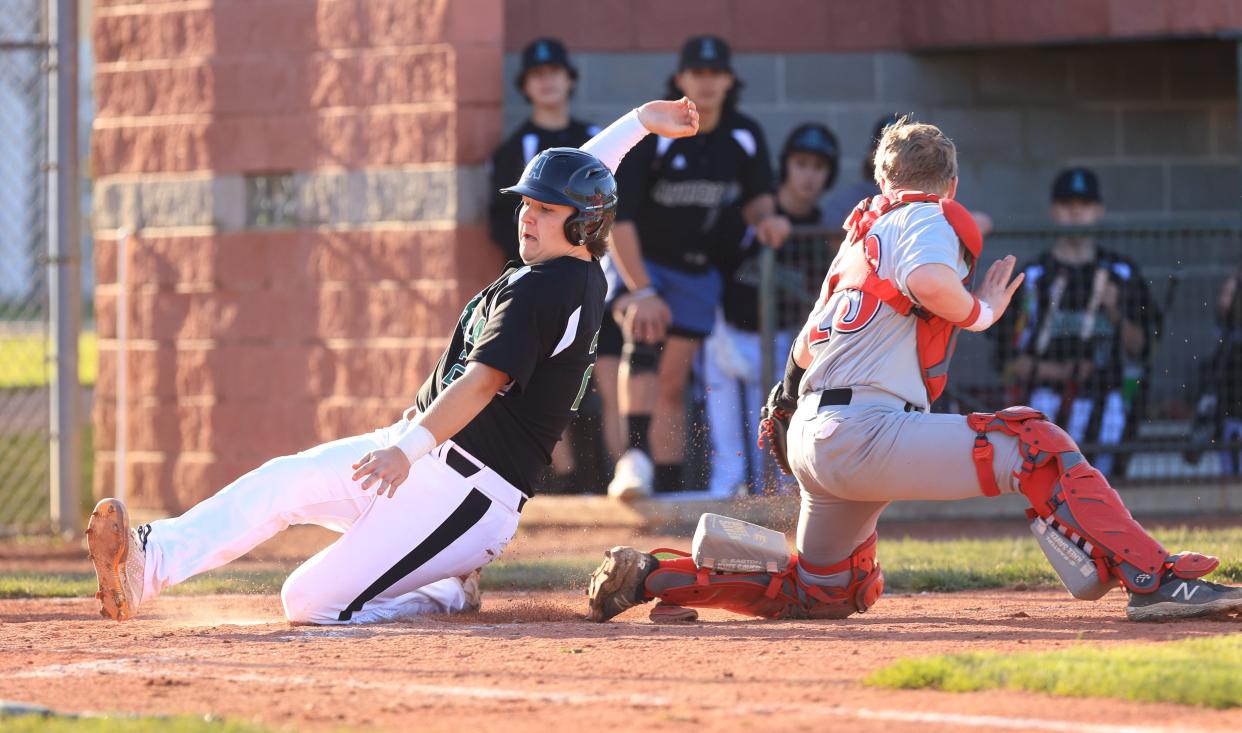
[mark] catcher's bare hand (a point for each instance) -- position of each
(996, 289)
(679, 118)
(388, 466)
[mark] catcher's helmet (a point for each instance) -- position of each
(570, 177)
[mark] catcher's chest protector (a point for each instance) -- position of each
(856, 269)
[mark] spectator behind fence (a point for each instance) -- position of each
(1085, 311)
(546, 80)
(669, 232)
(1218, 415)
(808, 166)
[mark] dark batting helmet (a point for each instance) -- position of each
(814, 138)
(570, 177)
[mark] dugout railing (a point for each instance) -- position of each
(1182, 398)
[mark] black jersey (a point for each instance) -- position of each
(510, 160)
(1031, 309)
(677, 191)
(538, 324)
(797, 286)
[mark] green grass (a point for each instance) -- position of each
(909, 566)
(922, 565)
(23, 360)
(177, 724)
(1205, 672)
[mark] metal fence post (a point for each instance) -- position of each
(64, 273)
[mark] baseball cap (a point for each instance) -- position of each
(545, 52)
(1076, 184)
(705, 52)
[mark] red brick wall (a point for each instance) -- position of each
(245, 344)
(818, 25)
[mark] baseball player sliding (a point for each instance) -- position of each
(850, 420)
(451, 476)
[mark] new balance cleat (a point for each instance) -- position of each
(1177, 599)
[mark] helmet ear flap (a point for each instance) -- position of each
(574, 229)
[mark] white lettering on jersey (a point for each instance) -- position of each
(707, 194)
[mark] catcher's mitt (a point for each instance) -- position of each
(774, 425)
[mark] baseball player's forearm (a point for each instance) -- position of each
(759, 208)
(452, 411)
(627, 254)
(936, 287)
(612, 143)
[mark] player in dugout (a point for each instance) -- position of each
(669, 230)
(808, 166)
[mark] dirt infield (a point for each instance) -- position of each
(530, 662)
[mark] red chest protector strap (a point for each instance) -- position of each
(859, 261)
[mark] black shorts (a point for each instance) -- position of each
(610, 338)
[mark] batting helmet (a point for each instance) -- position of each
(813, 138)
(570, 177)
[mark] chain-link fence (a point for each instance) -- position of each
(1131, 336)
(24, 371)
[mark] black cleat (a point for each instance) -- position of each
(1177, 598)
(617, 584)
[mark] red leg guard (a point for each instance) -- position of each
(1077, 500)
(781, 595)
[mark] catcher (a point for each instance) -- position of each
(850, 421)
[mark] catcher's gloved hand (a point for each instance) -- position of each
(774, 425)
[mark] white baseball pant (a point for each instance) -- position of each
(397, 557)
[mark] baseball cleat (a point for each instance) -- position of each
(617, 584)
(632, 477)
(1177, 599)
(119, 559)
(474, 595)
(668, 613)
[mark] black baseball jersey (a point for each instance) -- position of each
(677, 191)
(510, 160)
(1019, 329)
(797, 285)
(539, 324)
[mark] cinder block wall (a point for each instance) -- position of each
(1022, 89)
(302, 178)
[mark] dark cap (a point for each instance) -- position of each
(545, 52)
(1078, 184)
(705, 52)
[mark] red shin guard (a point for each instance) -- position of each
(1075, 499)
(680, 582)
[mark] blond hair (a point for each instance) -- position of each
(915, 156)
